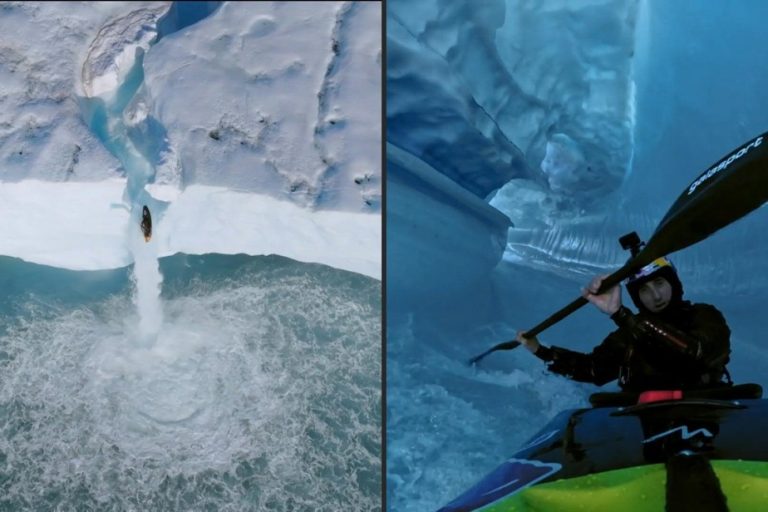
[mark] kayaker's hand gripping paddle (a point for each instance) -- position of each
(728, 190)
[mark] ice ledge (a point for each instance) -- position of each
(84, 226)
(448, 239)
(450, 190)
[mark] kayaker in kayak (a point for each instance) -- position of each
(669, 344)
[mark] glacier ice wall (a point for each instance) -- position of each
(487, 93)
(441, 238)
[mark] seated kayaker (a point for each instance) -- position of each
(669, 344)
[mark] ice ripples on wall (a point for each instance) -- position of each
(261, 392)
(578, 248)
(584, 246)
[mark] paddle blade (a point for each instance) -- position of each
(728, 190)
(507, 345)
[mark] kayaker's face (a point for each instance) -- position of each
(655, 294)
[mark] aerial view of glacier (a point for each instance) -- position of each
(190, 256)
(523, 139)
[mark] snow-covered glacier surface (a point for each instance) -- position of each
(231, 360)
(281, 101)
(579, 122)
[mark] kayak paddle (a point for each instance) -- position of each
(728, 190)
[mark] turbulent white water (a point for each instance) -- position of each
(148, 282)
(260, 391)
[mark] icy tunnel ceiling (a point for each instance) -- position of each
(487, 92)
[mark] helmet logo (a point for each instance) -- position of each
(651, 268)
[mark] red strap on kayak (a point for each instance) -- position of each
(659, 395)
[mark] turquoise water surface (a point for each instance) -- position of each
(259, 391)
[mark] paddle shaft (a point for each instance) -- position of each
(608, 283)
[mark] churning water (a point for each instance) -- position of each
(249, 383)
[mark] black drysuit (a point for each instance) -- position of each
(686, 346)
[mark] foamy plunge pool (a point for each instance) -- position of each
(261, 390)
